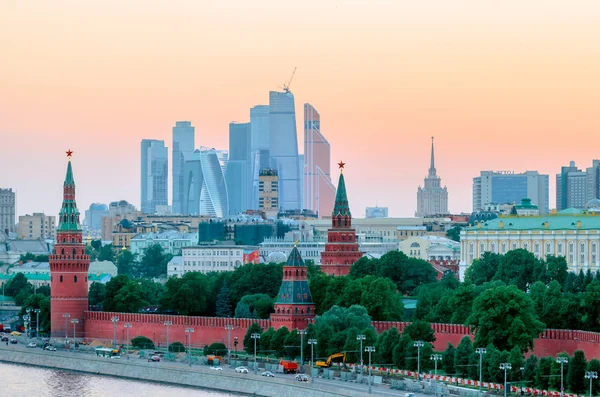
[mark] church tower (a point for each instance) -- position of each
(68, 265)
(341, 249)
(294, 307)
(432, 199)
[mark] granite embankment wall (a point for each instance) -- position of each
(98, 325)
(173, 374)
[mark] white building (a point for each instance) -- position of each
(431, 248)
(571, 233)
(212, 258)
(171, 241)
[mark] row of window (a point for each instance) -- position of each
(207, 263)
(208, 253)
(536, 249)
(74, 278)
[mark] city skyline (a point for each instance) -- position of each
(501, 93)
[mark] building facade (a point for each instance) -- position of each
(183, 147)
(376, 212)
(506, 187)
(259, 147)
(283, 148)
(432, 199)
(205, 190)
(8, 205)
(171, 241)
(318, 190)
(570, 233)
(69, 265)
(37, 226)
(341, 250)
(593, 181)
(94, 215)
(571, 188)
(155, 175)
(431, 248)
(213, 258)
(239, 175)
(268, 193)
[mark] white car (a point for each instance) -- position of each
(241, 370)
(216, 368)
(268, 374)
(50, 348)
(32, 344)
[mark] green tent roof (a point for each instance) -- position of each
(560, 221)
(341, 199)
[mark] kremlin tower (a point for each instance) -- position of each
(341, 249)
(68, 265)
(294, 307)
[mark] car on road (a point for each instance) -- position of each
(15, 333)
(410, 395)
(154, 358)
(4, 338)
(13, 341)
(32, 345)
(50, 348)
(268, 374)
(241, 370)
(216, 368)
(302, 378)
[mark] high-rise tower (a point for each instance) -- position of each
(155, 175)
(341, 249)
(294, 307)
(432, 199)
(183, 147)
(68, 265)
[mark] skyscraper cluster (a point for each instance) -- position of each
(576, 188)
(226, 183)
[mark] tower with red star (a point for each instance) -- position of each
(68, 265)
(341, 249)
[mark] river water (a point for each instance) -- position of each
(23, 381)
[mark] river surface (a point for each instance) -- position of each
(24, 381)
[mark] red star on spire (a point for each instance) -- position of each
(69, 153)
(341, 164)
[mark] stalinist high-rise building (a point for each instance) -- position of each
(432, 199)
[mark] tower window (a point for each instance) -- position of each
(61, 278)
(74, 279)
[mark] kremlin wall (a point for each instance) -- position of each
(294, 307)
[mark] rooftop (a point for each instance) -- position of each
(569, 219)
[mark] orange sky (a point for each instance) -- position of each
(511, 85)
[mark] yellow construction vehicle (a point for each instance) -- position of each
(334, 358)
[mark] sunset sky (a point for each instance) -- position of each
(503, 85)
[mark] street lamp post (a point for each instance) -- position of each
(74, 321)
(235, 343)
(127, 326)
(505, 367)
(419, 344)
(167, 325)
(66, 316)
(562, 361)
(370, 349)
(115, 320)
(481, 351)
(37, 322)
(312, 343)
(591, 375)
(255, 336)
(435, 358)
(302, 332)
(361, 338)
(229, 327)
(26, 323)
(189, 332)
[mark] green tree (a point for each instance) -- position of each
(277, 342)
(216, 349)
(96, 294)
(591, 306)
(386, 342)
(462, 303)
(176, 347)
(496, 357)
(42, 302)
(265, 340)
(484, 269)
(363, 267)
(142, 342)
(152, 291)
(594, 366)
(420, 330)
(518, 267)
(292, 344)
(17, 284)
(318, 285)
(462, 356)
(448, 360)
(223, 302)
(125, 263)
(454, 233)
(96, 244)
(127, 299)
(154, 262)
(576, 373)
(381, 300)
(242, 310)
(516, 361)
(106, 253)
(505, 317)
(407, 273)
(186, 295)
(43, 289)
(248, 341)
(542, 376)
(27, 257)
(557, 268)
(530, 370)
(261, 303)
(402, 351)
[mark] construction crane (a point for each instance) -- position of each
(286, 87)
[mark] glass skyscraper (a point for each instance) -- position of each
(259, 147)
(205, 191)
(183, 147)
(319, 192)
(283, 141)
(154, 175)
(239, 176)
